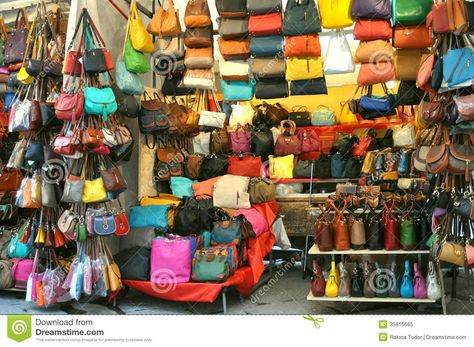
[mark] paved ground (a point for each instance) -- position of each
(286, 295)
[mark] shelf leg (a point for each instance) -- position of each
(305, 255)
(443, 294)
(224, 300)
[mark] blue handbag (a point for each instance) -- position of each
(338, 166)
(376, 103)
(181, 186)
(314, 86)
(404, 163)
(149, 216)
(17, 249)
(266, 46)
(323, 116)
(458, 66)
(226, 232)
(104, 225)
(100, 101)
(406, 288)
(9, 98)
(127, 81)
(238, 90)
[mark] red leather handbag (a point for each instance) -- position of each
(245, 165)
(63, 145)
(323, 231)
(417, 36)
(10, 179)
(309, 140)
(305, 45)
(372, 29)
(265, 24)
(121, 223)
(360, 148)
(287, 142)
(109, 62)
(373, 73)
(391, 239)
(440, 19)
(318, 283)
(70, 107)
(424, 72)
(70, 64)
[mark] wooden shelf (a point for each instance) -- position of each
(315, 250)
(311, 297)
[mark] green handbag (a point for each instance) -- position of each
(80, 234)
(409, 12)
(211, 265)
(2, 47)
(135, 61)
(407, 234)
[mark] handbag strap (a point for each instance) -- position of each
(22, 19)
(291, 124)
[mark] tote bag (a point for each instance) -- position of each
(338, 58)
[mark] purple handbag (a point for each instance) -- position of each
(419, 283)
(15, 46)
(239, 140)
(170, 261)
(373, 9)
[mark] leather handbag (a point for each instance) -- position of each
(371, 9)
(419, 283)
(469, 6)
(338, 165)
(220, 141)
(265, 24)
(10, 179)
(374, 231)
(338, 58)
(304, 169)
(263, 6)
(407, 63)
(69, 107)
(198, 78)
(456, 69)
(464, 106)
(433, 287)
(198, 37)
(374, 51)
(113, 179)
(16, 43)
(323, 230)
(353, 167)
(313, 86)
(344, 289)
(239, 140)
(323, 167)
(94, 191)
(407, 12)
(193, 165)
(244, 165)
(165, 22)
(236, 8)
(174, 45)
(149, 216)
(437, 157)
(104, 225)
(395, 281)
(34, 151)
(233, 28)
(408, 94)
(309, 140)
(211, 265)
(212, 166)
(236, 70)
(266, 46)
(332, 284)
(391, 239)
(369, 285)
(357, 234)
(335, 14)
(374, 73)
(301, 18)
(372, 29)
(453, 253)
(271, 88)
(341, 231)
(323, 116)
(261, 190)
(304, 45)
(407, 234)
(234, 49)
(231, 191)
(406, 287)
(262, 143)
(412, 37)
(268, 67)
(141, 40)
(199, 58)
(304, 68)
(152, 117)
(238, 90)
(135, 60)
(318, 283)
(287, 142)
(281, 167)
(300, 116)
(382, 283)
(99, 101)
(197, 14)
(357, 281)
(440, 18)
(226, 232)
(128, 82)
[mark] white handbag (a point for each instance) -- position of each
(234, 70)
(338, 57)
(202, 143)
(432, 283)
(211, 119)
(404, 135)
(171, 45)
(242, 113)
(21, 118)
(199, 79)
(231, 191)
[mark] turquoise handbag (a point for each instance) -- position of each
(17, 249)
(338, 166)
(100, 101)
(323, 116)
(181, 186)
(406, 289)
(238, 90)
(155, 216)
(127, 81)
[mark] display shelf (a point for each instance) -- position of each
(311, 297)
(315, 251)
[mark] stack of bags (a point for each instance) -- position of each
(199, 56)
(234, 46)
(375, 53)
(266, 47)
(304, 66)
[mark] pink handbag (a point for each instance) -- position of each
(256, 219)
(239, 140)
(309, 140)
(470, 255)
(21, 270)
(170, 261)
(419, 283)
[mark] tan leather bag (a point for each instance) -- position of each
(457, 10)
(407, 63)
(197, 14)
(453, 253)
(268, 67)
(261, 190)
(165, 22)
(374, 51)
(368, 167)
(199, 58)
(357, 234)
(234, 49)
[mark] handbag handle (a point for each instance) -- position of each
(290, 123)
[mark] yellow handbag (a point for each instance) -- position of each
(40, 236)
(332, 284)
(346, 116)
(390, 176)
(304, 68)
(281, 167)
(163, 199)
(335, 13)
(112, 276)
(141, 40)
(94, 191)
(368, 167)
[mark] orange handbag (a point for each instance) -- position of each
(372, 29)
(374, 51)
(375, 73)
(414, 36)
(305, 45)
(204, 189)
(458, 15)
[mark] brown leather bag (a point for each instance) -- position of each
(268, 67)
(35, 116)
(261, 190)
(199, 58)
(341, 231)
(193, 165)
(165, 22)
(432, 112)
(234, 49)
(198, 37)
(437, 158)
(374, 51)
(113, 179)
(407, 63)
(357, 234)
(464, 105)
(461, 156)
(458, 14)
(323, 231)
(197, 14)
(10, 179)
(220, 141)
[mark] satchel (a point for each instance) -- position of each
(173, 87)
(213, 166)
(304, 45)
(344, 289)
(303, 68)
(233, 28)
(261, 190)
(226, 232)
(372, 29)
(165, 22)
(453, 253)
(262, 143)
(313, 86)
(374, 51)
(287, 142)
(231, 191)
(323, 167)
(265, 24)
(201, 143)
(244, 165)
(234, 49)
(263, 6)
(338, 57)
(408, 94)
(407, 12)
(237, 8)
(266, 46)
(335, 15)
(371, 9)
(304, 169)
(373, 73)
(318, 283)
(456, 66)
(300, 116)
(198, 78)
(301, 18)
(199, 58)
(212, 119)
(155, 216)
(412, 37)
(211, 265)
(268, 67)
(353, 167)
(309, 140)
(173, 46)
(332, 283)
(323, 116)
(239, 140)
(219, 141)
(281, 167)
(271, 88)
(100, 101)
(238, 90)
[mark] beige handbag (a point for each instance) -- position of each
(231, 191)
(268, 67)
(404, 135)
(199, 58)
(171, 45)
(234, 70)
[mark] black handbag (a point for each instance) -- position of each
(271, 88)
(353, 167)
(357, 281)
(469, 6)
(423, 230)
(300, 116)
(134, 263)
(52, 69)
(129, 107)
(212, 166)
(172, 87)
(344, 145)
(437, 73)
(47, 114)
(409, 94)
(381, 281)
(262, 143)
(323, 167)
(124, 152)
(315, 86)
(34, 151)
(94, 61)
(33, 67)
(375, 230)
(387, 140)
(193, 216)
(394, 290)
(303, 169)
